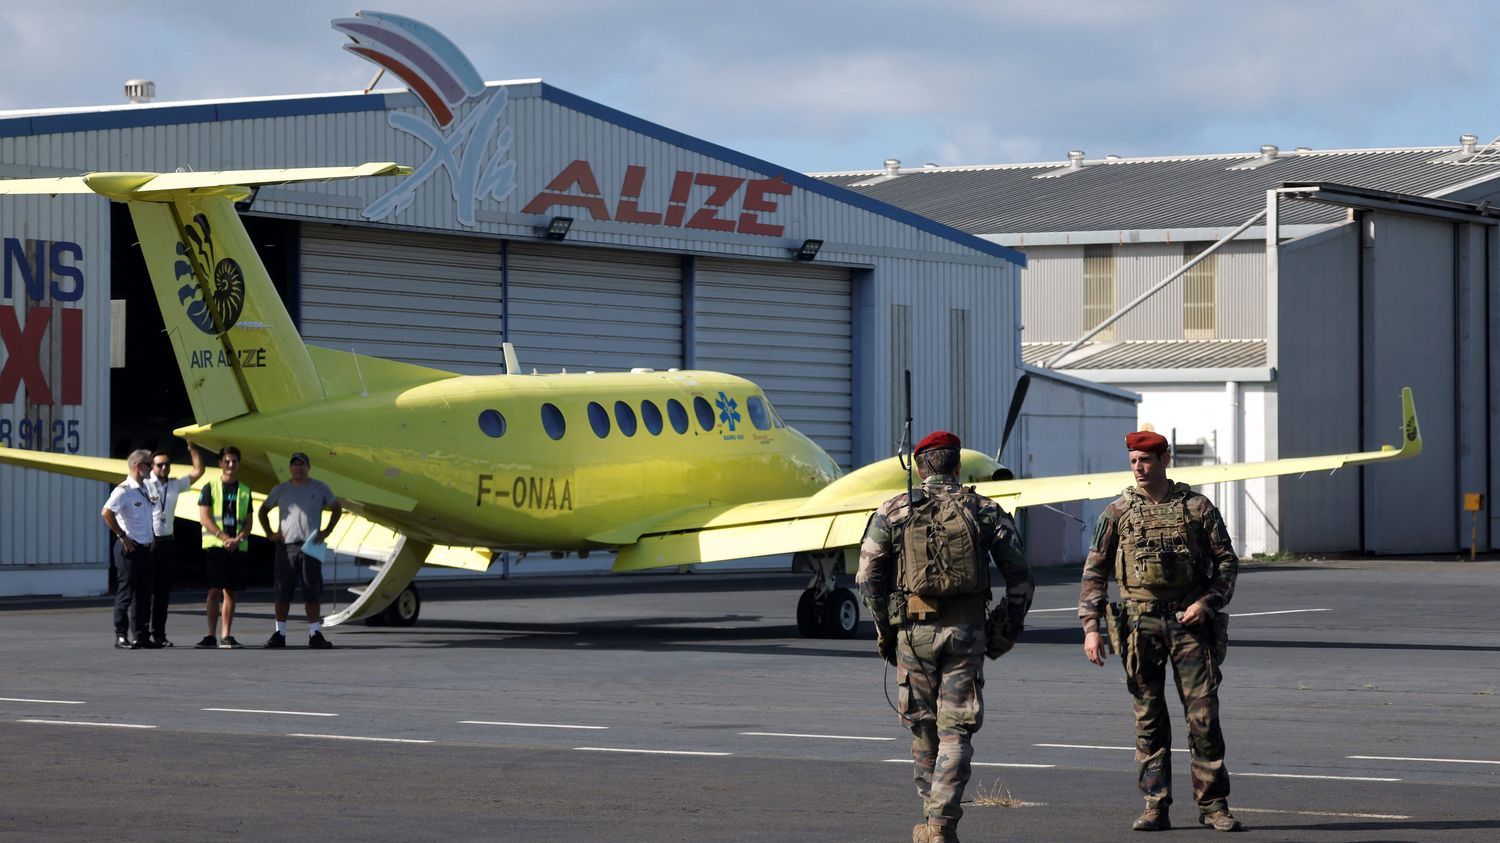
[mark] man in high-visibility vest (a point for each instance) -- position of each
(224, 511)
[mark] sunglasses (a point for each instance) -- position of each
(161, 465)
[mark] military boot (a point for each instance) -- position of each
(1152, 819)
(1219, 821)
(924, 833)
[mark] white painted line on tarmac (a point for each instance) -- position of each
(645, 751)
(356, 738)
(42, 702)
(1239, 810)
(1433, 760)
(1063, 609)
(1092, 746)
(272, 711)
(821, 737)
(1277, 612)
(981, 764)
(1305, 776)
(89, 723)
(529, 725)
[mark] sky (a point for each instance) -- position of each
(830, 85)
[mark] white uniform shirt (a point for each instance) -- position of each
(164, 502)
(132, 505)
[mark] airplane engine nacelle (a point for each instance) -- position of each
(887, 474)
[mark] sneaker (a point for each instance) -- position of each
(276, 641)
(123, 643)
(318, 642)
(1152, 819)
(1219, 821)
(160, 642)
(207, 642)
(228, 643)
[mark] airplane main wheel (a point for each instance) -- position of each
(809, 615)
(404, 610)
(841, 614)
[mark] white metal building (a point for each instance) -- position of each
(680, 254)
(1291, 340)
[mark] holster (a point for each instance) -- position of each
(1114, 626)
(1220, 637)
(895, 609)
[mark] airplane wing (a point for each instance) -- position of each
(141, 185)
(353, 537)
(811, 524)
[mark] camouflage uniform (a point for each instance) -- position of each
(940, 662)
(1197, 562)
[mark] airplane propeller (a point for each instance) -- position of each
(1017, 399)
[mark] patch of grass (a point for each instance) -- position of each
(997, 796)
(1278, 556)
(1485, 692)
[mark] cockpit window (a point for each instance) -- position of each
(759, 416)
(705, 412)
(651, 417)
(678, 414)
(625, 418)
(598, 419)
(553, 422)
(492, 423)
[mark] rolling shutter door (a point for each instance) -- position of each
(432, 300)
(594, 309)
(786, 327)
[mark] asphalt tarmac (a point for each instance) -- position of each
(1360, 704)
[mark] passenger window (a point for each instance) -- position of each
(651, 416)
(678, 414)
(758, 415)
(553, 422)
(492, 423)
(625, 418)
(598, 419)
(705, 412)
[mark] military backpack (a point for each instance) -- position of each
(942, 553)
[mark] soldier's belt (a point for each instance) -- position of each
(1159, 607)
(948, 611)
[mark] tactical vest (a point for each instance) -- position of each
(941, 547)
(242, 512)
(1154, 549)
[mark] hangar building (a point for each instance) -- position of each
(681, 253)
(1346, 275)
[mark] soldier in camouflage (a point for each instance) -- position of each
(1167, 547)
(937, 644)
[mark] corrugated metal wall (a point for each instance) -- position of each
(432, 300)
(48, 519)
(1318, 389)
(578, 308)
(1053, 291)
(786, 327)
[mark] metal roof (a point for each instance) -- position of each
(1196, 191)
(1151, 354)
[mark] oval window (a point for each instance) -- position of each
(492, 423)
(758, 414)
(705, 412)
(598, 419)
(651, 417)
(625, 418)
(678, 414)
(553, 422)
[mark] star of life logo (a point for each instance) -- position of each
(729, 410)
(474, 151)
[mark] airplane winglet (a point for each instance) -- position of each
(1411, 432)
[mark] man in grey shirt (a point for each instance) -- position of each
(300, 502)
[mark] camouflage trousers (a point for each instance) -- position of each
(1157, 640)
(941, 673)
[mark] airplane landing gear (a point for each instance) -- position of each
(825, 610)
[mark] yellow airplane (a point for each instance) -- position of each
(667, 468)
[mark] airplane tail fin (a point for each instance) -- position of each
(235, 343)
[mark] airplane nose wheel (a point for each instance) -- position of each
(404, 610)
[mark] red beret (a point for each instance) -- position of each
(1146, 440)
(936, 439)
